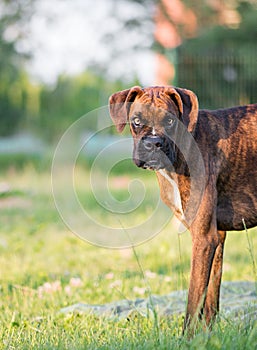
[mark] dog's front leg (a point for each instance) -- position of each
(205, 240)
(203, 251)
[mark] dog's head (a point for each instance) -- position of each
(154, 115)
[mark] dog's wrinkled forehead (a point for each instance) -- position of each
(153, 105)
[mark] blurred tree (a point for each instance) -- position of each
(218, 24)
(208, 14)
(70, 99)
(210, 46)
(13, 18)
(220, 64)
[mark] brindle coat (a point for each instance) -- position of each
(227, 143)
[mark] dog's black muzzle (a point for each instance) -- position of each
(154, 152)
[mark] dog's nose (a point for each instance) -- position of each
(152, 142)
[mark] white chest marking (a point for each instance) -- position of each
(153, 131)
(176, 194)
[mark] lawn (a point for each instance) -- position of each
(45, 267)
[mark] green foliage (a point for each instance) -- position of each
(13, 82)
(70, 99)
(46, 110)
(20, 161)
(11, 89)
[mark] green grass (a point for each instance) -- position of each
(44, 267)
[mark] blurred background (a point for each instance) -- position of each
(60, 59)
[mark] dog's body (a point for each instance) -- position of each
(227, 140)
(172, 137)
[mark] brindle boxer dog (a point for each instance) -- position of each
(227, 144)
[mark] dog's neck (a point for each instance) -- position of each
(176, 192)
(181, 189)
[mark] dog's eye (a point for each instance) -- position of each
(136, 121)
(170, 121)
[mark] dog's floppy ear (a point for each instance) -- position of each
(119, 105)
(187, 104)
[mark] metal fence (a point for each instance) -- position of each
(220, 79)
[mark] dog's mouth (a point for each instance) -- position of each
(154, 153)
(153, 164)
